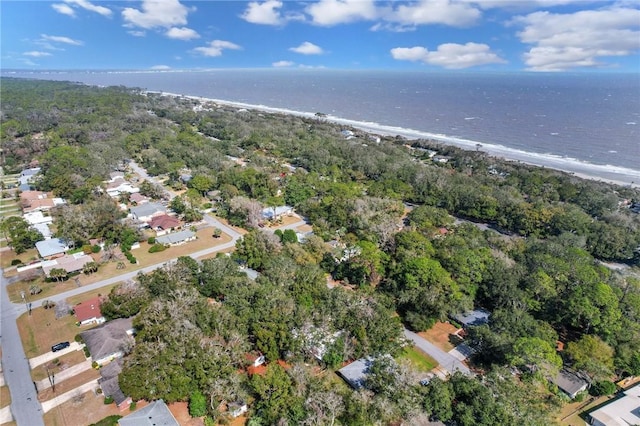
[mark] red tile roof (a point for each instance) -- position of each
(88, 309)
(164, 222)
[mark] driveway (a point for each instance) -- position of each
(41, 359)
(447, 362)
(65, 374)
(60, 399)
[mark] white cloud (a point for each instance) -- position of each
(63, 9)
(216, 47)
(449, 55)
(104, 11)
(426, 12)
(160, 67)
(36, 54)
(183, 33)
(333, 12)
(282, 64)
(574, 40)
(520, 4)
(266, 13)
(307, 48)
(61, 39)
(156, 13)
(137, 33)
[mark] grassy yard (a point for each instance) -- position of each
(66, 361)
(69, 384)
(8, 256)
(418, 359)
(40, 330)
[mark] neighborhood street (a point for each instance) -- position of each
(25, 407)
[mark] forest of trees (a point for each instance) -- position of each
(406, 244)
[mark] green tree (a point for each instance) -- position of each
(536, 354)
(591, 355)
(197, 404)
(276, 398)
(20, 233)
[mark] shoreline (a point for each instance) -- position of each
(603, 173)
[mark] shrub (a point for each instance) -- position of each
(95, 365)
(151, 240)
(78, 338)
(132, 406)
(15, 262)
(108, 400)
(602, 387)
(87, 249)
(157, 248)
(96, 249)
(108, 421)
(197, 404)
(87, 354)
(580, 396)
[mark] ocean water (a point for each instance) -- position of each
(585, 123)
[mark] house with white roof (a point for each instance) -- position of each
(51, 248)
(622, 411)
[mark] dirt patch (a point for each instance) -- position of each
(180, 411)
(440, 335)
(5, 396)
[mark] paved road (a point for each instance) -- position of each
(25, 407)
(446, 361)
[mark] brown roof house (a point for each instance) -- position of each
(69, 262)
(88, 312)
(110, 340)
(164, 224)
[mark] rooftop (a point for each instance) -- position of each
(51, 247)
(88, 309)
(176, 237)
(472, 318)
(155, 414)
(569, 382)
(355, 374)
(108, 338)
(147, 209)
(622, 411)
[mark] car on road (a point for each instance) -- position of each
(59, 346)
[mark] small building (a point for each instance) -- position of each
(176, 238)
(110, 385)
(622, 411)
(48, 249)
(27, 176)
(255, 359)
(36, 217)
(70, 263)
(155, 414)
(119, 186)
(355, 374)
(147, 211)
(88, 312)
(164, 224)
(472, 318)
(237, 408)
(110, 340)
(570, 382)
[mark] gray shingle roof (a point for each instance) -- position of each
(155, 414)
(109, 381)
(473, 318)
(355, 374)
(175, 237)
(108, 338)
(147, 209)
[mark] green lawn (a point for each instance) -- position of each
(420, 360)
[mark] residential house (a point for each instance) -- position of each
(355, 374)
(164, 224)
(275, 213)
(155, 414)
(88, 312)
(51, 248)
(138, 198)
(32, 201)
(110, 386)
(570, 382)
(113, 176)
(622, 411)
(472, 318)
(70, 263)
(110, 340)
(39, 222)
(148, 211)
(26, 177)
(176, 238)
(119, 186)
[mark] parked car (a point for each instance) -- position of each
(59, 346)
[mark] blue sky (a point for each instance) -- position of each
(501, 35)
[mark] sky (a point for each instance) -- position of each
(488, 35)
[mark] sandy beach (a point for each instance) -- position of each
(603, 173)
